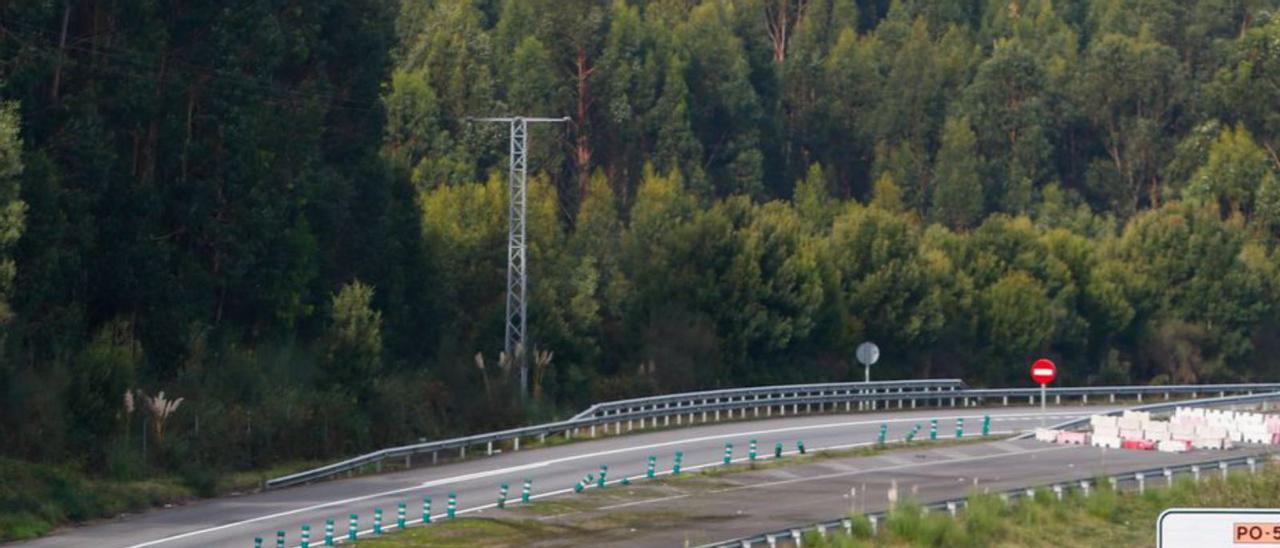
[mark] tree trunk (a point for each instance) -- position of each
(582, 145)
(62, 45)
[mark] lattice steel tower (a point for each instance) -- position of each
(517, 257)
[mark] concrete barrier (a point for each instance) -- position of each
(1073, 438)
(1172, 446)
(1112, 442)
(1046, 435)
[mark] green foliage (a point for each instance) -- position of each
(746, 191)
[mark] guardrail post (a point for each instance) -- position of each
(279, 539)
(847, 524)
(1006, 401)
(772, 542)
(751, 451)
(1139, 397)
(933, 429)
(704, 417)
(462, 452)
(489, 448)
(1222, 465)
(666, 420)
(1113, 397)
(353, 527)
(452, 510)
(377, 522)
(630, 425)
(951, 508)
(797, 537)
(728, 453)
(1195, 472)
(524, 491)
(604, 469)
(1084, 487)
(1084, 398)
(1253, 465)
(502, 495)
(593, 430)
(875, 524)
(400, 515)
(426, 510)
(675, 468)
(1142, 482)
(328, 532)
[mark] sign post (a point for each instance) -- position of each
(1043, 371)
(868, 353)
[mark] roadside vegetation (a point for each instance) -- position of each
(1104, 518)
(286, 220)
(36, 497)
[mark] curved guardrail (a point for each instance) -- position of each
(709, 405)
(1117, 481)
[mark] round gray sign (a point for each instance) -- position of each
(868, 353)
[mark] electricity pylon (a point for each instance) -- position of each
(517, 258)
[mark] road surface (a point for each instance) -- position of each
(236, 521)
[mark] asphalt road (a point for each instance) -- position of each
(235, 521)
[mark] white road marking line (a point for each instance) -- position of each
(517, 468)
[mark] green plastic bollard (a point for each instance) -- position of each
(400, 516)
(524, 492)
(502, 496)
(653, 463)
(800, 446)
(986, 424)
(625, 480)
(777, 450)
(912, 434)
(728, 453)
(751, 451)
(933, 429)
(426, 509)
(306, 535)
(453, 505)
(675, 468)
(257, 542)
(377, 522)
(279, 539)
(353, 527)
(959, 428)
(604, 469)
(328, 532)
(884, 431)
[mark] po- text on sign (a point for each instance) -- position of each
(1217, 527)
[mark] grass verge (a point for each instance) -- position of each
(35, 498)
(1104, 518)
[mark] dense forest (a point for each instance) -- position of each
(280, 213)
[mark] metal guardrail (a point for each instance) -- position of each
(1168, 406)
(622, 407)
(712, 403)
(1058, 489)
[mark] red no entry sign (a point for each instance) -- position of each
(1043, 371)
